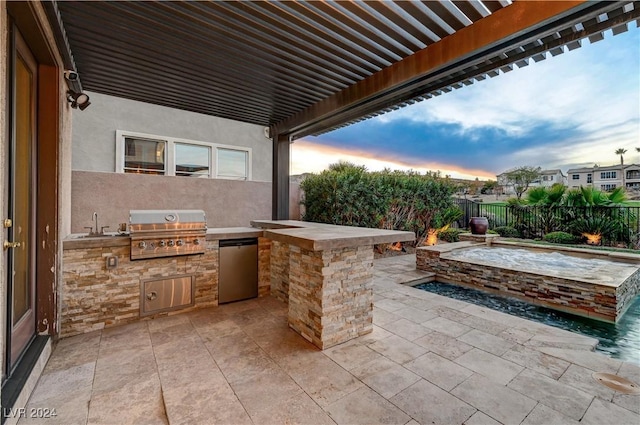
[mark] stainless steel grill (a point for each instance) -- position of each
(166, 233)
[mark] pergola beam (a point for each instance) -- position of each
(401, 80)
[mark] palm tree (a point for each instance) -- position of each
(621, 152)
(638, 150)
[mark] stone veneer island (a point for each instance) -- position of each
(325, 273)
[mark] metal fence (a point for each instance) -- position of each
(619, 225)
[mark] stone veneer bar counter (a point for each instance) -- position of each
(325, 272)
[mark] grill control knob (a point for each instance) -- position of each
(171, 243)
(142, 244)
(162, 243)
(179, 242)
(196, 241)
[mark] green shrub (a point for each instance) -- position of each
(560, 237)
(507, 232)
(349, 195)
(492, 232)
(450, 235)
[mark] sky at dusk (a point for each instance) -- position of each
(567, 111)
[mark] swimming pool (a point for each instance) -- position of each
(619, 340)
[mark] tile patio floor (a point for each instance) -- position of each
(429, 360)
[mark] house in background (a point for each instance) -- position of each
(632, 177)
(580, 177)
(550, 177)
(608, 178)
(547, 178)
(605, 178)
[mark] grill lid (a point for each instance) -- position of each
(154, 221)
(166, 216)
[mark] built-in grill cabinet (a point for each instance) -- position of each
(166, 294)
(166, 233)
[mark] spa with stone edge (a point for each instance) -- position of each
(323, 271)
(599, 285)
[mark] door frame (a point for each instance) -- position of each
(30, 20)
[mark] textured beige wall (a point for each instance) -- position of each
(227, 203)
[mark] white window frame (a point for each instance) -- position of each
(170, 153)
(247, 165)
(608, 175)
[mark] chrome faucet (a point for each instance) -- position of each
(93, 230)
(95, 218)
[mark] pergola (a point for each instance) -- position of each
(308, 67)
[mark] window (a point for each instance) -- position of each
(144, 156)
(607, 187)
(589, 178)
(148, 154)
(192, 160)
(575, 176)
(232, 164)
(608, 175)
(547, 178)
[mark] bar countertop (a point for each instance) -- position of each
(320, 237)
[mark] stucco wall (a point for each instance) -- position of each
(94, 132)
(227, 203)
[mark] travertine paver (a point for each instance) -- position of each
(540, 362)
(390, 381)
(602, 412)
(438, 370)
(487, 342)
(429, 404)
(493, 367)
(499, 402)
(365, 407)
(561, 397)
(407, 329)
(444, 345)
(543, 415)
(241, 364)
(480, 418)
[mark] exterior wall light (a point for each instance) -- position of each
(78, 100)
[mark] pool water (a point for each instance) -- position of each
(620, 340)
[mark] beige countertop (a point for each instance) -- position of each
(319, 236)
(81, 240)
(312, 236)
(220, 233)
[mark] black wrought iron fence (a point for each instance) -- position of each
(618, 225)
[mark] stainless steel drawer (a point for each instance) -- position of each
(166, 294)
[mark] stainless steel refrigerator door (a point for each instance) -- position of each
(238, 279)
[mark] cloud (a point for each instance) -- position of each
(584, 89)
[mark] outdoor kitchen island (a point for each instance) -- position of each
(325, 273)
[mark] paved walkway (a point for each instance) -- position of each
(429, 360)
